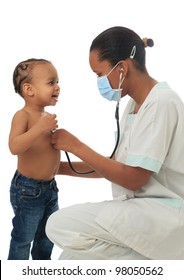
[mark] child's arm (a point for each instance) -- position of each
(20, 138)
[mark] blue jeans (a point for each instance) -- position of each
(33, 201)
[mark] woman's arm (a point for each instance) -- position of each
(129, 177)
(65, 169)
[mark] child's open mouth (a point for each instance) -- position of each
(55, 96)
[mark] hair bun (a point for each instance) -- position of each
(148, 42)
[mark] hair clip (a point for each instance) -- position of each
(133, 52)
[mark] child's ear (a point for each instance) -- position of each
(28, 89)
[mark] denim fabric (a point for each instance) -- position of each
(33, 201)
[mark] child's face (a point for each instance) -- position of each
(45, 84)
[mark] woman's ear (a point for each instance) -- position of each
(28, 89)
(123, 67)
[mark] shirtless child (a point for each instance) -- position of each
(33, 191)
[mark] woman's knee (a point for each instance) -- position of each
(58, 225)
(60, 230)
(54, 225)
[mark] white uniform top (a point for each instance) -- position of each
(151, 220)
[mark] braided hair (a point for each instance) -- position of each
(23, 72)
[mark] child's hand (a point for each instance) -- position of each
(47, 122)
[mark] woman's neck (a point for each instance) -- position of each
(140, 90)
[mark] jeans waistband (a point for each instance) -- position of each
(30, 181)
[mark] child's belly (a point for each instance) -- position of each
(40, 164)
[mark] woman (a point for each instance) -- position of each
(145, 219)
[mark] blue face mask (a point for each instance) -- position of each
(105, 88)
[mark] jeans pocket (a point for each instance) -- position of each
(29, 192)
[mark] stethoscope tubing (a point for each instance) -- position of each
(115, 148)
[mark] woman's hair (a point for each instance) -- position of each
(23, 72)
(116, 43)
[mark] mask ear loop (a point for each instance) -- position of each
(112, 69)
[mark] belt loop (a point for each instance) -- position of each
(53, 184)
(15, 177)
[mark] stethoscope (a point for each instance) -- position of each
(115, 148)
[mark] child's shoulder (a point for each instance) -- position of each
(22, 113)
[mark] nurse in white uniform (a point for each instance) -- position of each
(145, 218)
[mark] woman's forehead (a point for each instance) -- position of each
(95, 63)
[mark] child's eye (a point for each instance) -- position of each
(51, 82)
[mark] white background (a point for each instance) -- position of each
(62, 31)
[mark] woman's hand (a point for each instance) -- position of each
(64, 140)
